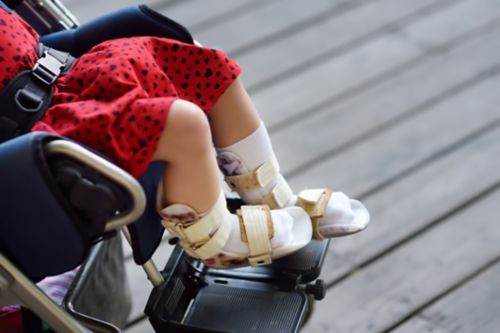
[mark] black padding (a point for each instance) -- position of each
(128, 22)
(24, 100)
(147, 231)
(37, 231)
(222, 308)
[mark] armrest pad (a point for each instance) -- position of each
(36, 232)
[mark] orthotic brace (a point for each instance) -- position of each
(314, 202)
(259, 178)
(205, 236)
(257, 230)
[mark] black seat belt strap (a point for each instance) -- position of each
(28, 95)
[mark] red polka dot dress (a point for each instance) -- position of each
(116, 97)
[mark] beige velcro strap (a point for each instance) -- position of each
(314, 202)
(198, 231)
(257, 223)
(218, 239)
(216, 243)
(279, 196)
(256, 178)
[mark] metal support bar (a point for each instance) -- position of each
(149, 267)
(29, 295)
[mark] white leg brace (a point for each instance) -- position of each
(252, 170)
(222, 239)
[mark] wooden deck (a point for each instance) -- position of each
(395, 102)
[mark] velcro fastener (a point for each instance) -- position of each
(256, 178)
(314, 202)
(200, 230)
(279, 196)
(255, 221)
(216, 242)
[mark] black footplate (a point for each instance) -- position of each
(274, 298)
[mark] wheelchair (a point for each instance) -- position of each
(78, 202)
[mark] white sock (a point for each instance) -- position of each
(247, 154)
(256, 149)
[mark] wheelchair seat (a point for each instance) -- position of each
(187, 296)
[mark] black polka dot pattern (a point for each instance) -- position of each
(116, 97)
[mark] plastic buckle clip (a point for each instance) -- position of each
(47, 68)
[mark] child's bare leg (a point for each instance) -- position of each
(193, 206)
(234, 116)
(191, 173)
(244, 145)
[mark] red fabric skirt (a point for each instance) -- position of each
(117, 96)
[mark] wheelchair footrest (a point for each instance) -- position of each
(244, 308)
(195, 298)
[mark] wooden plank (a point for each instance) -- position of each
(413, 89)
(325, 84)
(334, 77)
(421, 198)
(399, 148)
(197, 15)
(437, 29)
(185, 12)
(142, 327)
(87, 10)
(417, 201)
(474, 307)
(325, 38)
(378, 296)
(274, 19)
(420, 324)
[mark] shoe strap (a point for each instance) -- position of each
(255, 178)
(258, 229)
(200, 231)
(314, 202)
(279, 196)
(216, 242)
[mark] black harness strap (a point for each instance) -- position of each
(29, 94)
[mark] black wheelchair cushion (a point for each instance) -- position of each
(147, 231)
(38, 232)
(128, 22)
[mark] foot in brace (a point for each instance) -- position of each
(254, 236)
(251, 169)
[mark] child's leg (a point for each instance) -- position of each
(194, 209)
(245, 154)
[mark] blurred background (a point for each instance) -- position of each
(394, 102)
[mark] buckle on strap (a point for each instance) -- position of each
(256, 178)
(49, 67)
(279, 196)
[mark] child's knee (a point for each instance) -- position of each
(188, 118)
(187, 131)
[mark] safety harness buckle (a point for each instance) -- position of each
(48, 67)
